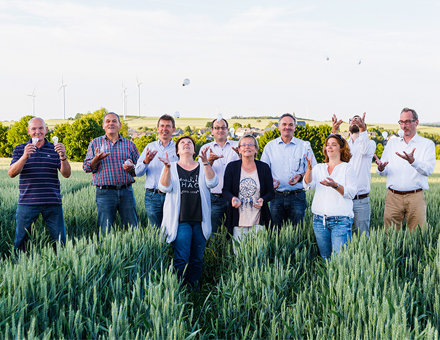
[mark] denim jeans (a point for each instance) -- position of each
(285, 208)
(28, 214)
(331, 232)
(188, 247)
(218, 212)
(109, 201)
(154, 207)
(361, 220)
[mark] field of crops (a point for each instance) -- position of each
(275, 287)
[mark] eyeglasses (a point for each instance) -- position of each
(220, 128)
(244, 145)
(335, 135)
(406, 122)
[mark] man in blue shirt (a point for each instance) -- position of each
(150, 165)
(285, 156)
(37, 162)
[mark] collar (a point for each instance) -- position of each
(119, 137)
(169, 143)
(280, 141)
(215, 143)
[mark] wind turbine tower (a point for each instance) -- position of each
(139, 95)
(124, 100)
(63, 86)
(33, 95)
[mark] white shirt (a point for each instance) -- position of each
(153, 170)
(286, 161)
(362, 152)
(400, 174)
(219, 165)
(327, 201)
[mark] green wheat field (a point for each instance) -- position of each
(276, 286)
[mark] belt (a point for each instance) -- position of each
(359, 197)
(217, 195)
(114, 187)
(156, 191)
(405, 192)
(287, 193)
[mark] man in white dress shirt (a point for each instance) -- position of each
(150, 165)
(362, 151)
(407, 162)
(220, 153)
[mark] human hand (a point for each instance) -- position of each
(149, 155)
(381, 165)
(128, 165)
(203, 156)
(336, 124)
(407, 156)
(60, 149)
(236, 150)
(276, 184)
(29, 150)
(329, 182)
(293, 180)
(213, 157)
(360, 122)
(100, 155)
(165, 160)
(259, 203)
(236, 203)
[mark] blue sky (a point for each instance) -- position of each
(243, 58)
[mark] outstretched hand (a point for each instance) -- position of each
(381, 165)
(100, 155)
(165, 160)
(149, 155)
(407, 156)
(336, 124)
(213, 157)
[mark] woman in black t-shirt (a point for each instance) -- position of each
(187, 208)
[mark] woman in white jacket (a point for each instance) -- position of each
(187, 208)
(332, 206)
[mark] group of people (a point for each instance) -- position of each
(190, 199)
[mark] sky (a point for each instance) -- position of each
(243, 58)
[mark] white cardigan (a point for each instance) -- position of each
(171, 208)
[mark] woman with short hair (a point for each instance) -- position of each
(332, 206)
(187, 208)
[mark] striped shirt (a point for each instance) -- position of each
(39, 184)
(110, 170)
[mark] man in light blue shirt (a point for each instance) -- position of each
(285, 156)
(150, 165)
(220, 153)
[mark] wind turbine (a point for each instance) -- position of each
(124, 99)
(63, 86)
(33, 95)
(139, 95)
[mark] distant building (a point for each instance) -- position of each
(178, 132)
(202, 131)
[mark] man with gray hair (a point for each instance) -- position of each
(111, 159)
(407, 162)
(37, 162)
(286, 157)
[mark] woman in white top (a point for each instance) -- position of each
(332, 206)
(187, 208)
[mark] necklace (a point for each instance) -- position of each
(247, 168)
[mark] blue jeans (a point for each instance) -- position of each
(218, 212)
(154, 207)
(109, 201)
(362, 213)
(188, 247)
(28, 214)
(284, 208)
(331, 232)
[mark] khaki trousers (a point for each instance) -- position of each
(410, 206)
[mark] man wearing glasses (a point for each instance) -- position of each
(362, 151)
(220, 153)
(285, 157)
(407, 162)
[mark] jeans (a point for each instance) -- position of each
(361, 220)
(284, 208)
(109, 201)
(188, 247)
(331, 232)
(154, 207)
(28, 214)
(218, 212)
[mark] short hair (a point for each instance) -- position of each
(30, 120)
(414, 113)
(345, 149)
(287, 115)
(111, 113)
(249, 136)
(168, 118)
(212, 123)
(180, 139)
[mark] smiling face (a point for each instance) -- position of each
(165, 130)
(219, 131)
(186, 146)
(37, 128)
(247, 147)
(111, 124)
(286, 126)
(333, 148)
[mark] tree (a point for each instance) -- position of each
(379, 150)
(142, 142)
(208, 124)
(61, 131)
(266, 138)
(3, 140)
(81, 133)
(17, 134)
(249, 126)
(188, 130)
(258, 120)
(236, 125)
